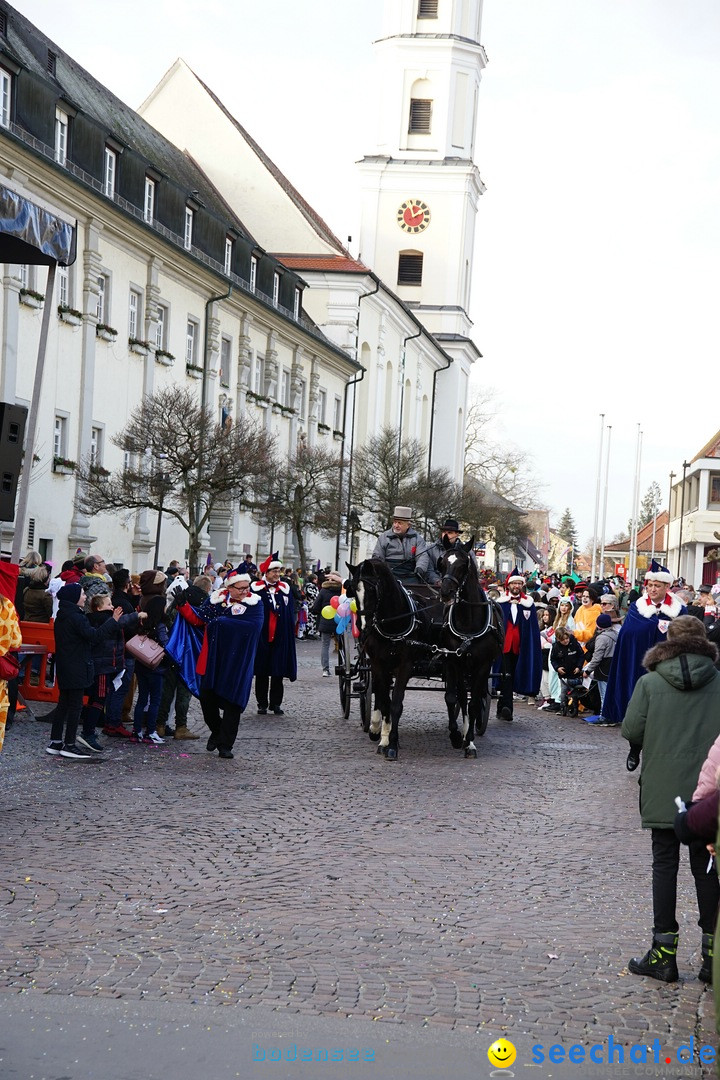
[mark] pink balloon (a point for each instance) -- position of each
(334, 601)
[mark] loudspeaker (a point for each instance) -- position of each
(12, 434)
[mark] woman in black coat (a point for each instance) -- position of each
(74, 639)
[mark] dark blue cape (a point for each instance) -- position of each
(232, 644)
(528, 673)
(184, 647)
(278, 658)
(637, 635)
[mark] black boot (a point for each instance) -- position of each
(705, 972)
(660, 961)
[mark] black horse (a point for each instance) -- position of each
(472, 639)
(393, 627)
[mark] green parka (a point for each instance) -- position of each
(674, 715)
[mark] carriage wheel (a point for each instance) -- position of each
(366, 700)
(343, 672)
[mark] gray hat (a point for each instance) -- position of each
(705, 589)
(402, 513)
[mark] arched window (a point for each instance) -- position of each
(421, 103)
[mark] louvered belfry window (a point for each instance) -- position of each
(410, 267)
(420, 115)
(427, 9)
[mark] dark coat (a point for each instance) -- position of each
(569, 657)
(674, 715)
(276, 657)
(37, 602)
(108, 653)
(74, 640)
(129, 606)
(330, 589)
(155, 626)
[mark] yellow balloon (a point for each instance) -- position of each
(328, 612)
(353, 605)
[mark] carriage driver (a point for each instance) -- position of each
(400, 546)
(427, 563)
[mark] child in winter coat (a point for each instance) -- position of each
(566, 657)
(108, 655)
(598, 666)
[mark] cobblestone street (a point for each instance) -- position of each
(501, 896)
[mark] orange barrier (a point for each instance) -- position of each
(43, 636)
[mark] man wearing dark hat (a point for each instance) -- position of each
(400, 546)
(276, 658)
(646, 624)
(520, 667)
(426, 566)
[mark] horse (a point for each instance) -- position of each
(472, 638)
(392, 629)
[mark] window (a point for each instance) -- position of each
(160, 327)
(285, 391)
(134, 313)
(228, 254)
(276, 288)
(410, 268)
(225, 360)
(63, 286)
(420, 116)
(322, 406)
(61, 136)
(189, 215)
(110, 172)
(337, 414)
(715, 489)
(259, 380)
(190, 343)
(427, 9)
(102, 299)
(51, 62)
(5, 97)
(60, 436)
(297, 303)
(127, 464)
(149, 204)
(253, 272)
(24, 275)
(96, 446)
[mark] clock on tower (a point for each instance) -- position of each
(413, 216)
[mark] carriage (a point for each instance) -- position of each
(412, 640)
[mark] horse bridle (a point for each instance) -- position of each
(376, 622)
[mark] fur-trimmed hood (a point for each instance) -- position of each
(668, 650)
(685, 663)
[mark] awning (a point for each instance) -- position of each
(31, 234)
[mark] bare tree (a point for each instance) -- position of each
(305, 495)
(504, 468)
(386, 469)
(182, 463)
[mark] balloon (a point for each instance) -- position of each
(353, 605)
(335, 601)
(342, 624)
(328, 612)
(344, 608)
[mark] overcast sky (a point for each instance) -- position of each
(596, 267)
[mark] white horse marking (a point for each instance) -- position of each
(385, 735)
(451, 559)
(375, 721)
(360, 600)
(466, 724)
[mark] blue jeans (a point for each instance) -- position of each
(150, 685)
(325, 640)
(115, 698)
(602, 687)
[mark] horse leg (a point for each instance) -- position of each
(453, 680)
(396, 707)
(381, 706)
(469, 732)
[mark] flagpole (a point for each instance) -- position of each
(597, 499)
(636, 501)
(605, 502)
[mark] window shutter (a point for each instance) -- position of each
(410, 268)
(427, 9)
(420, 115)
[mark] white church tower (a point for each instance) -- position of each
(420, 186)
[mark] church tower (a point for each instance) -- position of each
(420, 186)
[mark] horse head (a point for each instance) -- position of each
(455, 566)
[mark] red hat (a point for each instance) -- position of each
(271, 563)
(514, 575)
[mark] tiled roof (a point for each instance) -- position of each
(711, 449)
(644, 540)
(340, 264)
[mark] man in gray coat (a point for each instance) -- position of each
(400, 546)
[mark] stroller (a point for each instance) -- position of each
(575, 694)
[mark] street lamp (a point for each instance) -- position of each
(162, 481)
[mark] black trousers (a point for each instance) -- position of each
(67, 716)
(666, 862)
(275, 685)
(507, 678)
(222, 717)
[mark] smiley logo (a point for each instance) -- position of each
(502, 1054)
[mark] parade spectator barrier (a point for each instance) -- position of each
(38, 639)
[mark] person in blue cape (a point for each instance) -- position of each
(646, 624)
(233, 620)
(276, 658)
(520, 667)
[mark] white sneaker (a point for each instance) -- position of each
(155, 738)
(326, 674)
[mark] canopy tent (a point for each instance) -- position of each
(33, 233)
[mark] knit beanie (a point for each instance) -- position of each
(152, 582)
(603, 621)
(72, 592)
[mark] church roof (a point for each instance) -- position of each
(339, 264)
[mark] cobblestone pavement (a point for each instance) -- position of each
(502, 895)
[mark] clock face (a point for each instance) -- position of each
(413, 216)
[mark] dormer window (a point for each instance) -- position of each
(61, 136)
(5, 97)
(276, 288)
(228, 254)
(109, 172)
(149, 202)
(52, 63)
(189, 218)
(253, 272)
